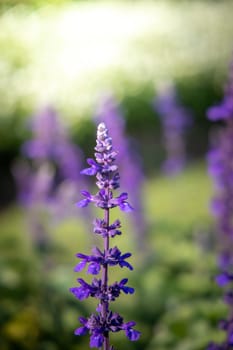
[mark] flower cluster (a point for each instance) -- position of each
(175, 121)
(100, 324)
(99, 328)
(221, 169)
(96, 290)
(130, 167)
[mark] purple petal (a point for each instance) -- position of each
(99, 308)
(129, 324)
(86, 194)
(218, 112)
(81, 331)
(96, 251)
(123, 281)
(82, 320)
(123, 196)
(91, 162)
(80, 292)
(81, 256)
(132, 334)
(126, 207)
(126, 255)
(126, 264)
(89, 171)
(222, 279)
(96, 340)
(80, 266)
(128, 290)
(94, 268)
(83, 203)
(230, 339)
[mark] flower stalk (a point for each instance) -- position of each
(99, 325)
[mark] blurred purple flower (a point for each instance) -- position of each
(51, 143)
(52, 178)
(175, 120)
(35, 190)
(221, 170)
(46, 134)
(224, 110)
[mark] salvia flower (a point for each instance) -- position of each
(221, 170)
(100, 324)
(95, 289)
(175, 120)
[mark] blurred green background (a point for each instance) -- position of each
(69, 54)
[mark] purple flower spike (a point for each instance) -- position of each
(175, 120)
(100, 325)
(129, 164)
(48, 185)
(221, 169)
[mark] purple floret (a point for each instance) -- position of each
(97, 290)
(98, 327)
(112, 257)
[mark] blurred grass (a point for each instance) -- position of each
(176, 304)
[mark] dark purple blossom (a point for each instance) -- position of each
(99, 327)
(105, 321)
(111, 257)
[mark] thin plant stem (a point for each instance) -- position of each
(105, 304)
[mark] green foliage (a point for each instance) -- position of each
(176, 304)
(52, 55)
(31, 4)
